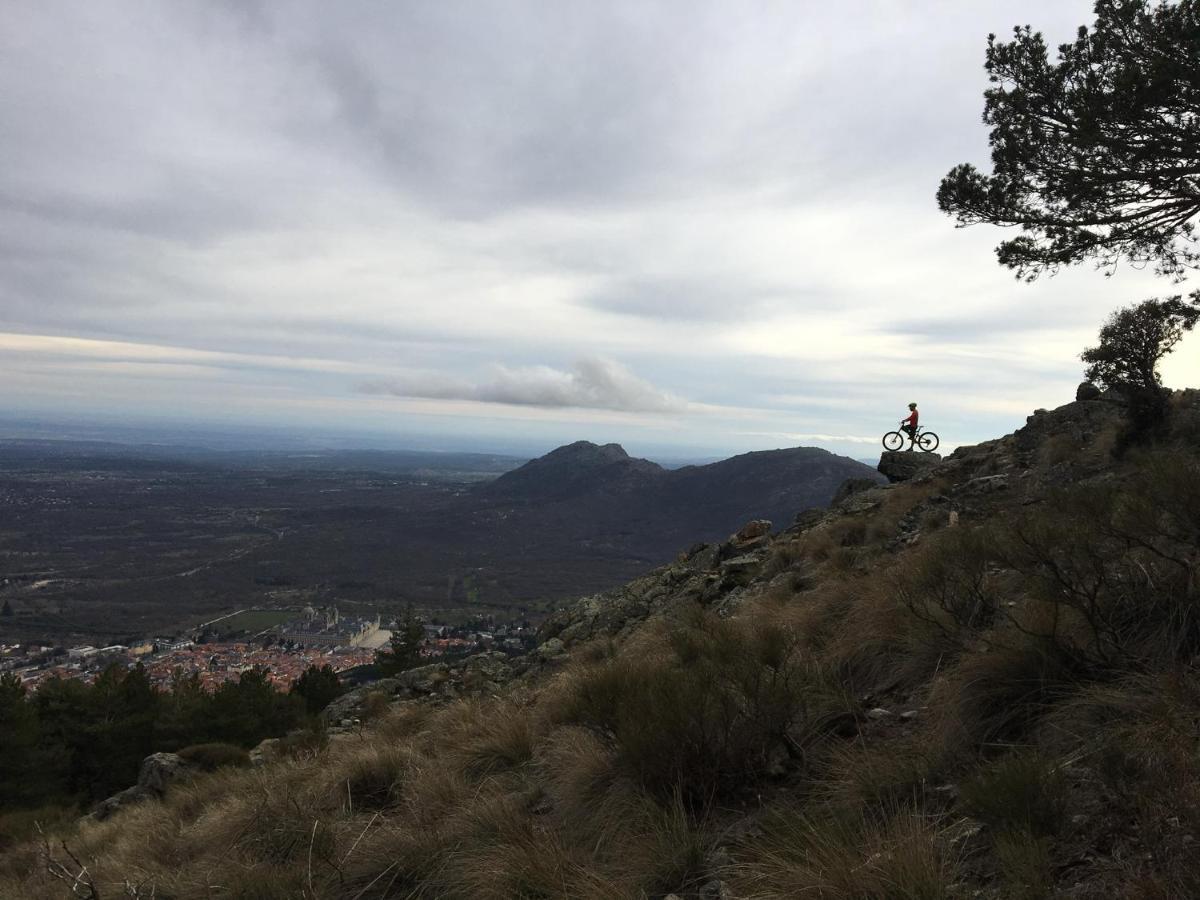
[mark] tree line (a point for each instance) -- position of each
(75, 743)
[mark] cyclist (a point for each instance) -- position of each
(909, 425)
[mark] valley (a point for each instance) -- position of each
(110, 544)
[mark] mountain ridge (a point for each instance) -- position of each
(617, 492)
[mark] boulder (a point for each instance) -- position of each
(347, 705)
(1087, 391)
(752, 535)
(905, 465)
(752, 531)
(158, 772)
(740, 570)
(266, 751)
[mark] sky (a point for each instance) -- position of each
(689, 227)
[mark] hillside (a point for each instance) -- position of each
(978, 682)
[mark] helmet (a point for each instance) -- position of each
(912, 406)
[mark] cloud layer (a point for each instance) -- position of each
(244, 212)
(593, 383)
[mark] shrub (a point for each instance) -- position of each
(707, 716)
(1025, 861)
(999, 696)
(784, 556)
(373, 777)
(949, 584)
(306, 742)
(1023, 792)
(210, 757)
(1111, 562)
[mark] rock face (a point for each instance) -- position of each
(158, 772)
(481, 674)
(905, 465)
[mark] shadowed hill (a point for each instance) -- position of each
(600, 492)
(572, 470)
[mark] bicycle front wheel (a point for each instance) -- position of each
(893, 440)
(928, 441)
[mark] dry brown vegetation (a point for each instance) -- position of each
(1008, 706)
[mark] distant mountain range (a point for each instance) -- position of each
(605, 490)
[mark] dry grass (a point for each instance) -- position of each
(875, 779)
(618, 776)
(487, 738)
(806, 855)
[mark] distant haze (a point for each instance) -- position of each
(694, 228)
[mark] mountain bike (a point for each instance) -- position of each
(926, 440)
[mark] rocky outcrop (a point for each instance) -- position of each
(1087, 391)
(158, 772)
(1075, 426)
(267, 751)
(752, 531)
(905, 465)
(480, 674)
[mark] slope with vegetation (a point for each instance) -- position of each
(980, 682)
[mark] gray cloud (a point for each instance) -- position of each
(735, 196)
(593, 383)
(693, 299)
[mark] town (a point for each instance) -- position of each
(283, 652)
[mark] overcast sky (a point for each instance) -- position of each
(689, 227)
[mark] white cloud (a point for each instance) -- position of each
(593, 383)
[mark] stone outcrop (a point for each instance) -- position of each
(905, 465)
(480, 674)
(267, 751)
(158, 772)
(1087, 391)
(752, 531)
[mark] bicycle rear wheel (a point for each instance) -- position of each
(927, 441)
(893, 440)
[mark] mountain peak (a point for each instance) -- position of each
(575, 469)
(587, 452)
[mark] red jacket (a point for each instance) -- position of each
(911, 420)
